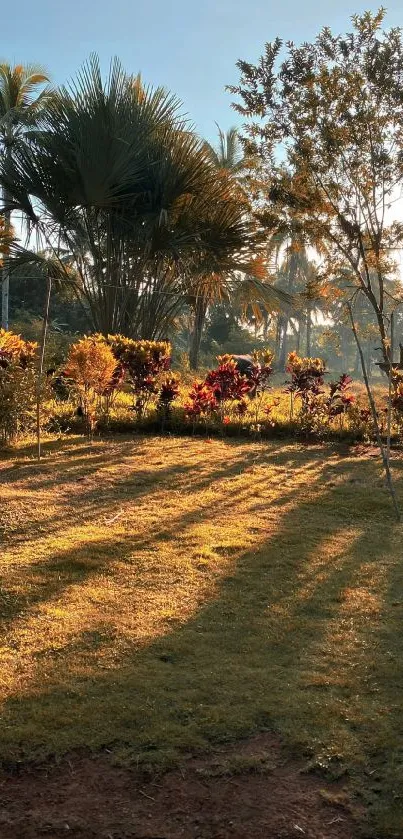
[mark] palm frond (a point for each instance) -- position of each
(114, 174)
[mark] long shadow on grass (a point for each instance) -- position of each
(66, 461)
(46, 581)
(100, 494)
(48, 578)
(286, 643)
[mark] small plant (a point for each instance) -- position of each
(169, 391)
(227, 385)
(14, 350)
(258, 379)
(340, 399)
(143, 362)
(17, 384)
(307, 381)
(91, 366)
(202, 402)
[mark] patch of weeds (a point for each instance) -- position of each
(331, 768)
(261, 764)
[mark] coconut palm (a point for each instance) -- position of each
(23, 93)
(227, 157)
(296, 275)
(247, 290)
(228, 153)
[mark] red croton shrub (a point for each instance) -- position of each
(202, 401)
(169, 391)
(307, 380)
(143, 362)
(307, 384)
(227, 385)
(260, 372)
(340, 399)
(307, 376)
(225, 389)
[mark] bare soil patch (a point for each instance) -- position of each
(249, 790)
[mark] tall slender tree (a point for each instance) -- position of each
(227, 157)
(250, 292)
(23, 93)
(326, 119)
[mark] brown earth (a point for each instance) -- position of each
(249, 791)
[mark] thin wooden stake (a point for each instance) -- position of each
(40, 368)
(374, 416)
(389, 425)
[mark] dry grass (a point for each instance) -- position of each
(159, 595)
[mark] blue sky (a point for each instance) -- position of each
(190, 47)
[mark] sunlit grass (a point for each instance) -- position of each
(160, 595)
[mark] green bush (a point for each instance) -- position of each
(17, 385)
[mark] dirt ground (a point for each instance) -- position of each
(248, 791)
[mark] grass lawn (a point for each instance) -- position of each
(162, 595)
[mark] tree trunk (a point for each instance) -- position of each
(198, 324)
(292, 273)
(371, 401)
(278, 337)
(308, 332)
(283, 344)
(369, 360)
(298, 347)
(5, 285)
(381, 324)
(40, 366)
(356, 368)
(266, 324)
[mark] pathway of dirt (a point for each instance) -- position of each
(249, 791)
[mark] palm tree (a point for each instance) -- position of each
(120, 184)
(297, 276)
(243, 290)
(228, 153)
(20, 107)
(228, 157)
(247, 289)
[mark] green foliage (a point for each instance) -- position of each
(168, 392)
(57, 340)
(332, 110)
(17, 384)
(119, 180)
(91, 367)
(27, 302)
(142, 362)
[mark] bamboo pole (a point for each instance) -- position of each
(374, 416)
(40, 368)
